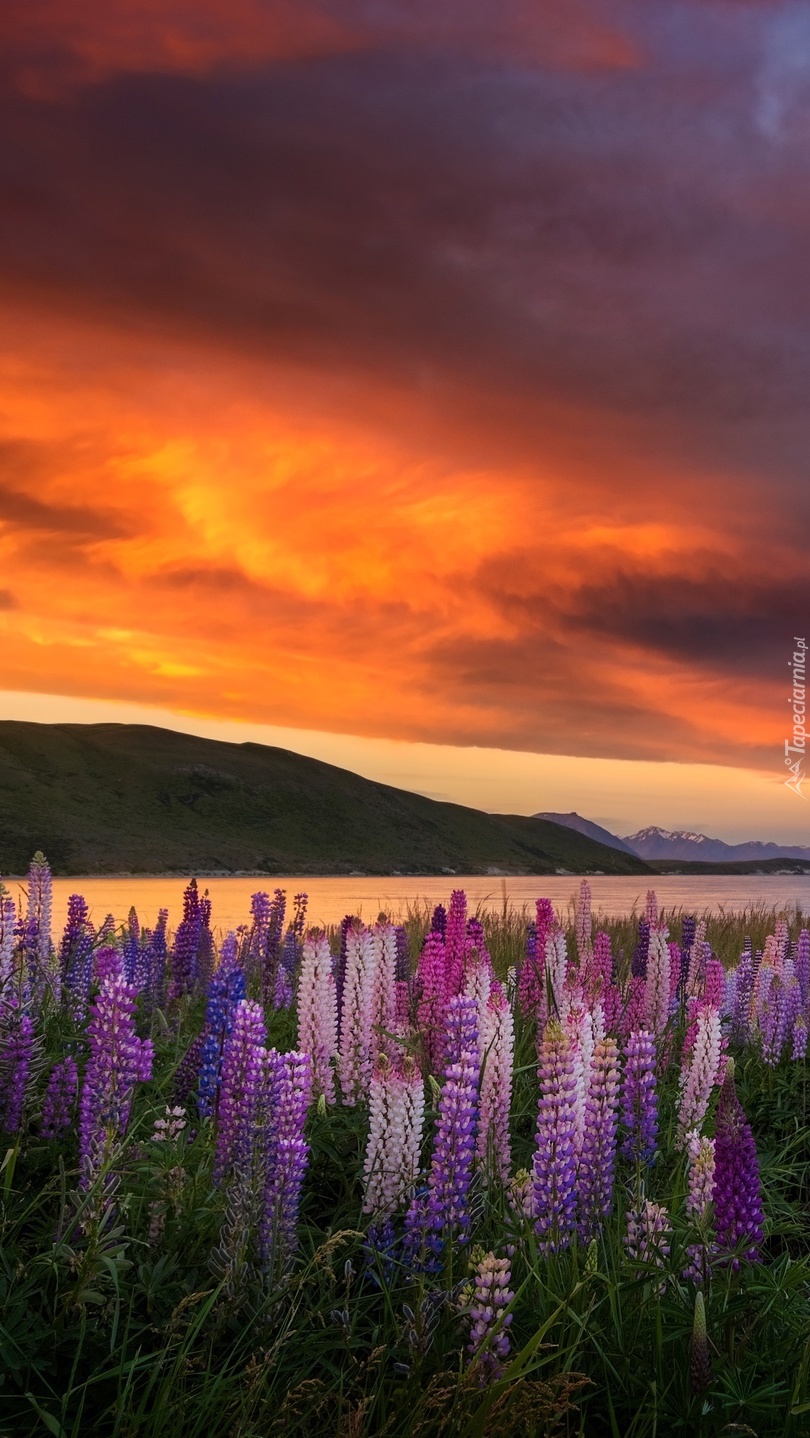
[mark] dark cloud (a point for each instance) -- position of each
(7, 599)
(24, 512)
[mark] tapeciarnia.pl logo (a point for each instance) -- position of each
(797, 776)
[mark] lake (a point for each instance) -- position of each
(331, 898)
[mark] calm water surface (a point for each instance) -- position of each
(330, 899)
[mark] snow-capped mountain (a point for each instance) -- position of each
(657, 843)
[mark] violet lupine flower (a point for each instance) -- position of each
(738, 1216)
(598, 1157)
(285, 972)
(489, 1321)
(396, 1120)
(185, 962)
(656, 994)
(76, 955)
(554, 1158)
(438, 922)
(675, 972)
(699, 1198)
(638, 966)
(699, 1073)
(355, 1061)
(118, 1061)
(60, 1099)
(317, 1013)
(639, 1098)
(799, 1039)
(431, 977)
(40, 906)
(265, 938)
(493, 1148)
(454, 1147)
(771, 1015)
(16, 1052)
(634, 1008)
(743, 996)
(226, 990)
(288, 1094)
(455, 942)
(240, 1090)
(155, 954)
(648, 1232)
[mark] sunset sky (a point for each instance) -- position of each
(422, 385)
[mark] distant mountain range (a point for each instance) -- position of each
(654, 844)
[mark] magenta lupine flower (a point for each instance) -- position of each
(288, 1088)
(489, 1321)
(317, 1013)
(699, 1073)
(598, 1157)
(631, 1017)
(651, 909)
(60, 1098)
(656, 994)
(639, 1098)
(455, 942)
(648, 1232)
(699, 1198)
(454, 1146)
(714, 982)
(554, 1158)
(738, 1216)
(396, 1121)
(493, 1148)
(118, 1061)
(431, 978)
(16, 1052)
(532, 983)
(359, 985)
(240, 1090)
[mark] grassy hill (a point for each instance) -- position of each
(113, 798)
(730, 866)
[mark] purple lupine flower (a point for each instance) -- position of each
(532, 985)
(16, 1052)
(598, 1157)
(738, 1216)
(493, 1148)
(155, 954)
(265, 940)
(288, 1091)
(743, 996)
(438, 922)
(118, 1061)
(675, 972)
(639, 960)
(699, 1072)
(799, 1039)
(455, 942)
(554, 1157)
(317, 1013)
(454, 1147)
(40, 906)
(431, 979)
(699, 1198)
(489, 1321)
(239, 1092)
(285, 972)
(639, 1098)
(226, 990)
(76, 955)
(184, 950)
(60, 1098)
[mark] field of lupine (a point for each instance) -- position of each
(474, 1174)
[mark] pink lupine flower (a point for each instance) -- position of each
(359, 985)
(651, 910)
(699, 1199)
(648, 1232)
(583, 925)
(383, 989)
(396, 1121)
(497, 1041)
(532, 983)
(699, 1073)
(455, 942)
(656, 995)
(520, 1194)
(317, 1013)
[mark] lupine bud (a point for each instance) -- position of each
(700, 1366)
(489, 1321)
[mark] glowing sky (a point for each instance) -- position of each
(428, 373)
